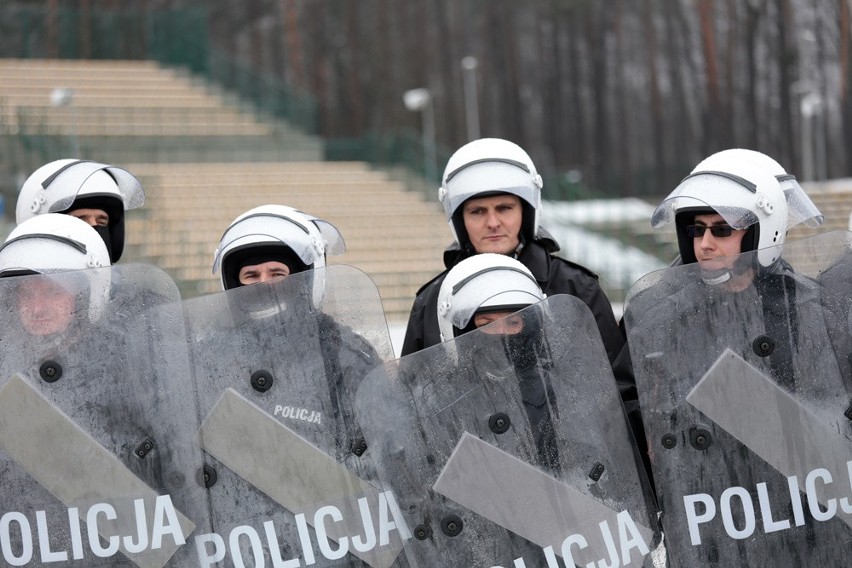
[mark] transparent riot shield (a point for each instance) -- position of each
(510, 450)
(290, 482)
(98, 466)
(746, 405)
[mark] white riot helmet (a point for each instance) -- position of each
(276, 232)
(486, 167)
(68, 184)
(55, 243)
(746, 196)
(800, 208)
(484, 282)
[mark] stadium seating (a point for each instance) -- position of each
(204, 159)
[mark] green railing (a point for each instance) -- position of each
(403, 150)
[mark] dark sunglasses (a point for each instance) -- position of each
(718, 231)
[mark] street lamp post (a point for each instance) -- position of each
(471, 103)
(810, 107)
(420, 100)
(64, 97)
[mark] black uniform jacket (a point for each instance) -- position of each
(555, 276)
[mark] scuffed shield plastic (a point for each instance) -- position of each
(510, 450)
(290, 481)
(97, 461)
(745, 391)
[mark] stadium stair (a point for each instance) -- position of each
(204, 159)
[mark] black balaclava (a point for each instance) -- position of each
(253, 255)
(113, 233)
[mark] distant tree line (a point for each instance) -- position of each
(627, 93)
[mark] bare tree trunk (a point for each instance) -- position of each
(596, 44)
(319, 65)
(787, 62)
(354, 96)
(624, 141)
(682, 135)
(754, 11)
(845, 69)
(657, 121)
(52, 29)
(85, 29)
(576, 115)
(732, 119)
(711, 71)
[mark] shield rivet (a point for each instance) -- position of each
(452, 525)
(421, 532)
(499, 423)
(207, 476)
(763, 346)
(50, 371)
(669, 441)
(261, 381)
(700, 439)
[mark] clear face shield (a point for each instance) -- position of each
(748, 392)
(527, 456)
(724, 194)
(60, 189)
(800, 208)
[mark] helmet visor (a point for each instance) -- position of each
(488, 177)
(72, 176)
(32, 253)
(334, 243)
(800, 208)
(729, 196)
(265, 229)
(488, 290)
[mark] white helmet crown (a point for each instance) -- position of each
(487, 281)
(744, 194)
(307, 237)
(55, 243)
(54, 187)
(490, 166)
(800, 207)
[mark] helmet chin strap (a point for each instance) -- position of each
(722, 275)
(716, 277)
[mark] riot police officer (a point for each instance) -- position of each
(99, 194)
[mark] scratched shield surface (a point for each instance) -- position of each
(510, 450)
(290, 481)
(745, 392)
(97, 460)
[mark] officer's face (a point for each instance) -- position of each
(94, 217)
(716, 253)
(45, 307)
(502, 323)
(263, 272)
(493, 223)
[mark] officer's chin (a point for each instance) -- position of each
(714, 264)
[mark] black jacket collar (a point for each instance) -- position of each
(547, 245)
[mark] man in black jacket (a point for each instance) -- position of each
(491, 194)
